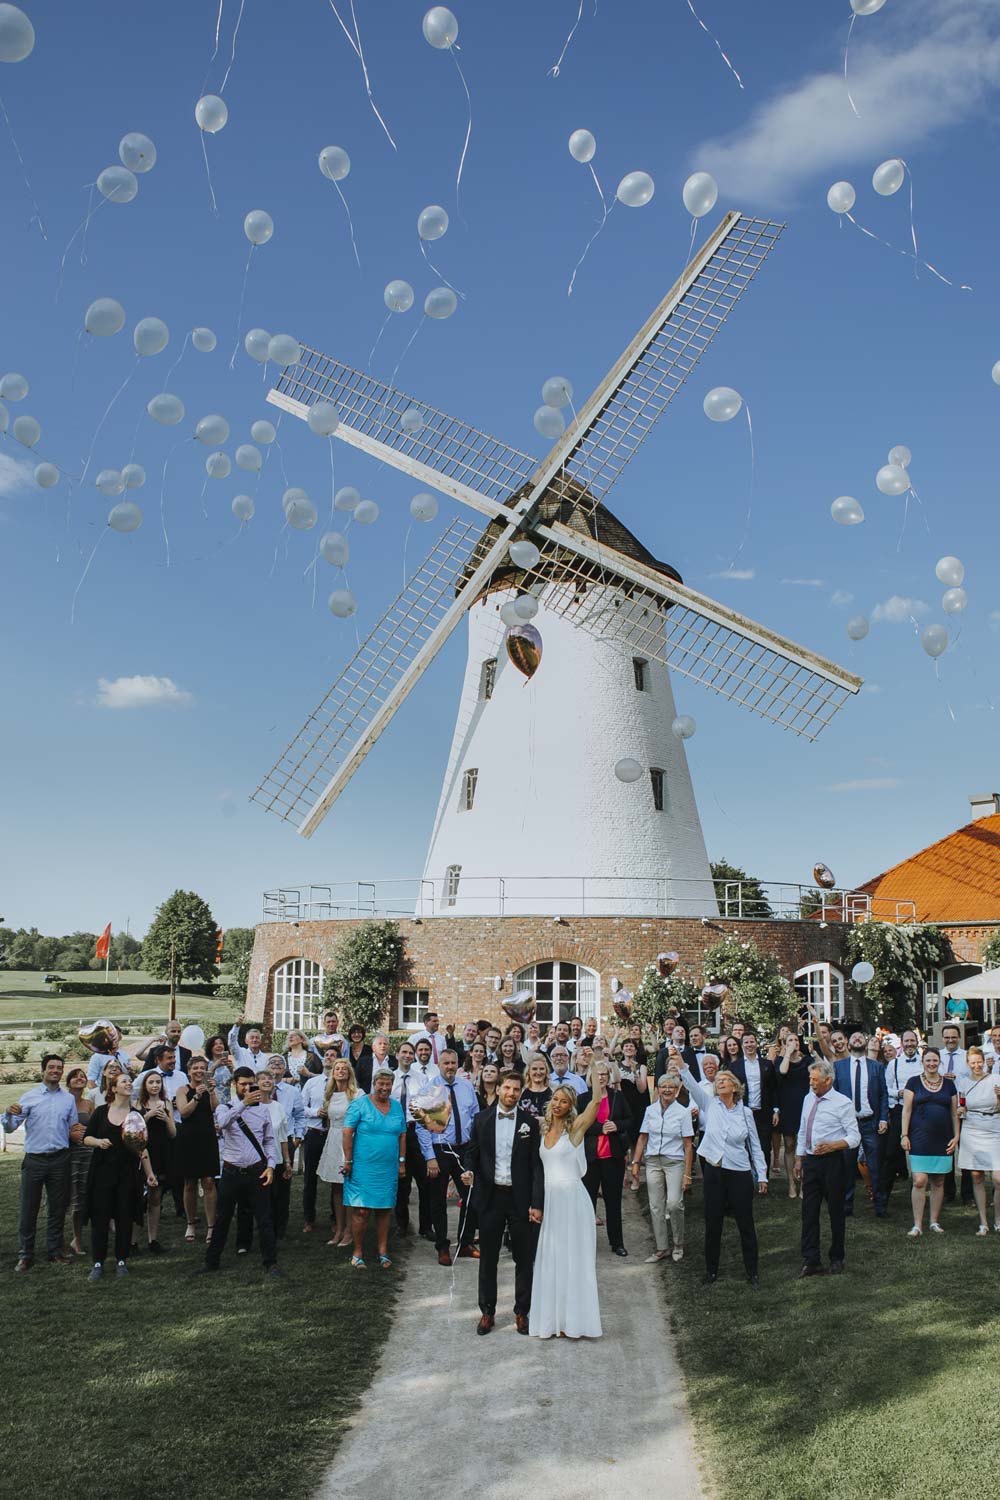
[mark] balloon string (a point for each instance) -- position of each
(586, 251)
(218, 28)
(902, 529)
(355, 42)
(232, 56)
(554, 70)
(350, 224)
(433, 267)
(37, 215)
(847, 49)
(715, 39)
(86, 222)
(80, 229)
(908, 254)
(378, 340)
(107, 409)
(76, 591)
(274, 560)
(694, 231)
(392, 378)
(173, 367)
(604, 201)
(201, 497)
(208, 173)
(468, 129)
(923, 508)
(239, 315)
(753, 477)
(913, 226)
(163, 493)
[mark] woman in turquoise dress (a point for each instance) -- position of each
(929, 1137)
(374, 1161)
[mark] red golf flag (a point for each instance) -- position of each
(103, 943)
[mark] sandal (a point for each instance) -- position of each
(358, 1263)
(208, 1234)
(384, 1262)
(912, 1234)
(189, 1234)
(983, 1229)
(936, 1228)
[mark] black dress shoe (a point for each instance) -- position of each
(812, 1271)
(836, 1268)
(753, 1279)
(710, 1278)
(205, 1270)
(620, 1250)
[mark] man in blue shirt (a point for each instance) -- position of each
(443, 1149)
(48, 1114)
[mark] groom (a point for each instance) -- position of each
(505, 1174)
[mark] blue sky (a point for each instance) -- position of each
(839, 350)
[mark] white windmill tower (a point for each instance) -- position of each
(531, 816)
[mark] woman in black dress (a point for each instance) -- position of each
(114, 1187)
(357, 1047)
(634, 1085)
(793, 1086)
(536, 1092)
(158, 1113)
(731, 1051)
(510, 1055)
(198, 1145)
(489, 1080)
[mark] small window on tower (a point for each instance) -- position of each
(641, 669)
(656, 777)
(469, 780)
(453, 875)
(487, 678)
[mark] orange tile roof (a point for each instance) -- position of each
(955, 880)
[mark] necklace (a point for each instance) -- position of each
(934, 1088)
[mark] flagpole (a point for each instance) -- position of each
(107, 960)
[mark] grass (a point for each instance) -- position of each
(880, 1384)
(23, 995)
(104, 1377)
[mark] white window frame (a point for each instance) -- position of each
(297, 987)
(453, 879)
(470, 779)
(931, 999)
(823, 984)
(487, 679)
(588, 988)
(418, 1006)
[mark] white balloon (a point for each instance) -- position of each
(846, 511)
(334, 163)
(888, 178)
(258, 226)
(857, 627)
(203, 339)
(292, 495)
(248, 458)
(218, 466)
(212, 431)
(722, 403)
(525, 607)
(432, 222)
(683, 726)
(117, 184)
(150, 336)
(17, 35)
(342, 603)
(347, 498)
(700, 194)
(242, 508)
(257, 343)
(841, 198)
(137, 152)
(125, 516)
(440, 303)
(284, 350)
(398, 296)
(900, 456)
(134, 476)
(953, 601)
(524, 554)
(627, 769)
(549, 421)
(557, 391)
(323, 419)
(949, 571)
(411, 420)
(863, 972)
(934, 639)
(104, 317)
(582, 146)
(509, 614)
(46, 475)
(4, 418)
(13, 387)
(366, 512)
(996, 373)
(892, 480)
(263, 432)
(110, 482)
(423, 507)
(166, 409)
(334, 549)
(866, 7)
(635, 189)
(211, 112)
(440, 27)
(301, 514)
(27, 430)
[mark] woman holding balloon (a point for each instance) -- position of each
(198, 1144)
(114, 1187)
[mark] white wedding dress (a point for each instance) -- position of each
(564, 1288)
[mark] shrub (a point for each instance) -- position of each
(901, 958)
(362, 976)
(18, 1052)
(656, 997)
(991, 952)
(761, 993)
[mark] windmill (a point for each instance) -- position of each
(608, 614)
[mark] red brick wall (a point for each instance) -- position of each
(455, 958)
(967, 942)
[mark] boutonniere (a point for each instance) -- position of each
(525, 1129)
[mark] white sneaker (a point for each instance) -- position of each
(678, 1252)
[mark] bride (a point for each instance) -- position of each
(564, 1289)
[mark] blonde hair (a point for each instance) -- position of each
(352, 1082)
(571, 1095)
(738, 1089)
(600, 1062)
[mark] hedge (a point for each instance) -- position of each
(82, 987)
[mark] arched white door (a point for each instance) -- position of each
(298, 994)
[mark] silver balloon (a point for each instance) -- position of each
(301, 514)
(347, 499)
(411, 420)
(892, 480)
(949, 571)
(46, 475)
(888, 178)
(953, 601)
(700, 194)
(291, 495)
(635, 189)
(110, 482)
(549, 422)
(423, 507)
(13, 387)
(900, 456)
(242, 508)
(524, 554)
(525, 607)
(334, 163)
(582, 146)
(866, 7)
(248, 458)
(509, 614)
(334, 549)
(134, 476)
(934, 639)
(557, 391)
(137, 152)
(398, 296)
(211, 113)
(17, 35)
(166, 409)
(212, 431)
(27, 430)
(257, 343)
(218, 466)
(857, 627)
(846, 511)
(203, 339)
(683, 727)
(432, 222)
(117, 184)
(366, 513)
(263, 432)
(258, 226)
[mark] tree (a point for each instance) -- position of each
(363, 974)
(656, 997)
(991, 952)
(749, 901)
(184, 926)
(236, 942)
(237, 947)
(761, 993)
(902, 957)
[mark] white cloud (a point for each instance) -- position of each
(841, 596)
(994, 618)
(17, 476)
(743, 574)
(898, 610)
(871, 687)
(914, 71)
(141, 692)
(866, 784)
(805, 583)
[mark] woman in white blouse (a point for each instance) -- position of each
(979, 1145)
(665, 1139)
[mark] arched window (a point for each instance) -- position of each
(561, 990)
(298, 994)
(823, 986)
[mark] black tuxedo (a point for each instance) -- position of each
(688, 1055)
(366, 1067)
(503, 1210)
(764, 1114)
(607, 1173)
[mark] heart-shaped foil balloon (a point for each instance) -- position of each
(824, 877)
(432, 1106)
(99, 1036)
(716, 994)
(622, 1005)
(327, 1040)
(666, 963)
(520, 1006)
(134, 1133)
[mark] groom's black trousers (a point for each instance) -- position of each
(501, 1216)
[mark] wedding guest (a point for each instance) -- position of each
(406, 1086)
(339, 1094)
(425, 1067)
(301, 1061)
(489, 1080)
(443, 1151)
(429, 1033)
(330, 1036)
(606, 1144)
(374, 1159)
(559, 1062)
(828, 1133)
(492, 1041)
(861, 1079)
(114, 1187)
(979, 1146)
(198, 1145)
(792, 1087)
(49, 1116)
(930, 1136)
(220, 1068)
(247, 1152)
(112, 1070)
(357, 1047)
(246, 1046)
(280, 1161)
(558, 1036)
(731, 1052)
(314, 1136)
(516, 1030)
(472, 1063)
(161, 1132)
(665, 1139)
(536, 1093)
(897, 1075)
(378, 1060)
(760, 1087)
(952, 1053)
(634, 1084)
(79, 1155)
(532, 1040)
(169, 1037)
(510, 1054)
(575, 1032)
(164, 1062)
(289, 1096)
(99, 1060)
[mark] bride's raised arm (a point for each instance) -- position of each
(583, 1121)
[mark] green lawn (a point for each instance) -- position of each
(23, 995)
(102, 1378)
(880, 1384)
